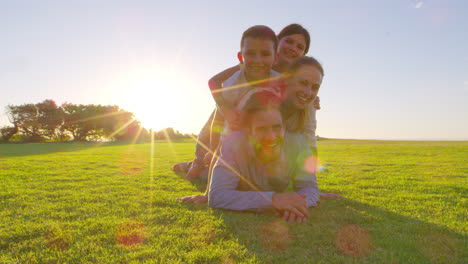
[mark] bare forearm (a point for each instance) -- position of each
(216, 82)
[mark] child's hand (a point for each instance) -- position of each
(233, 118)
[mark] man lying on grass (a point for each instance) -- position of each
(256, 165)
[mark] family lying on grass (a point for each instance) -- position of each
(261, 135)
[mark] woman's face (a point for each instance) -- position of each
(290, 48)
(303, 86)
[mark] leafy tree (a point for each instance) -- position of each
(51, 118)
(25, 118)
(7, 132)
(48, 121)
(170, 133)
(81, 121)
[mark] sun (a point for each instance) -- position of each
(151, 94)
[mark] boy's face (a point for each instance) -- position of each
(258, 56)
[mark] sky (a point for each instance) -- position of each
(393, 69)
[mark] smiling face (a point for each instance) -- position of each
(258, 55)
(303, 86)
(266, 133)
(290, 48)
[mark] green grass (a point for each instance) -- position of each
(406, 202)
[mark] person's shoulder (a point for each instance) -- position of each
(233, 79)
(297, 149)
(295, 140)
(293, 137)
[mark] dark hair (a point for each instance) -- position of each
(295, 65)
(261, 32)
(296, 29)
(260, 101)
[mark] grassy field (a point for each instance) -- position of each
(406, 202)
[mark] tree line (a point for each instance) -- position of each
(47, 121)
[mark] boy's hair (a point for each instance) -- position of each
(261, 32)
(296, 29)
(295, 65)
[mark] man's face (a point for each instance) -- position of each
(303, 87)
(258, 55)
(266, 133)
(291, 47)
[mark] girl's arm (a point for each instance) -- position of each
(216, 82)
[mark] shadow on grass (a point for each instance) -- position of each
(345, 231)
(28, 149)
(200, 184)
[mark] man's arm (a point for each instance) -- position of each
(223, 193)
(310, 189)
(304, 179)
(224, 196)
(226, 175)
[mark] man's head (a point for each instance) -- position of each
(264, 124)
(258, 52)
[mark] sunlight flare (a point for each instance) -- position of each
(97, 117)
(169, 141)
(151, 169)
(238, 86)
(122, 127)
(154, 94)
(216, 156)
(137, 135)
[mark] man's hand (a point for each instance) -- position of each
(293, 202)
(292, 217)
(233, 118)
(316, 103)
(196, 199)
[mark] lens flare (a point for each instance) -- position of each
(354, 241)
(169, 141)
(57, 238)
(151, 170)
(130, 234)
(132, 162)
(310, 164)
(229, 167)
(275, 235)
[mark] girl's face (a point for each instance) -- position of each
(303, 86)
(290, 48)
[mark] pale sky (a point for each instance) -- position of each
(393, 69)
